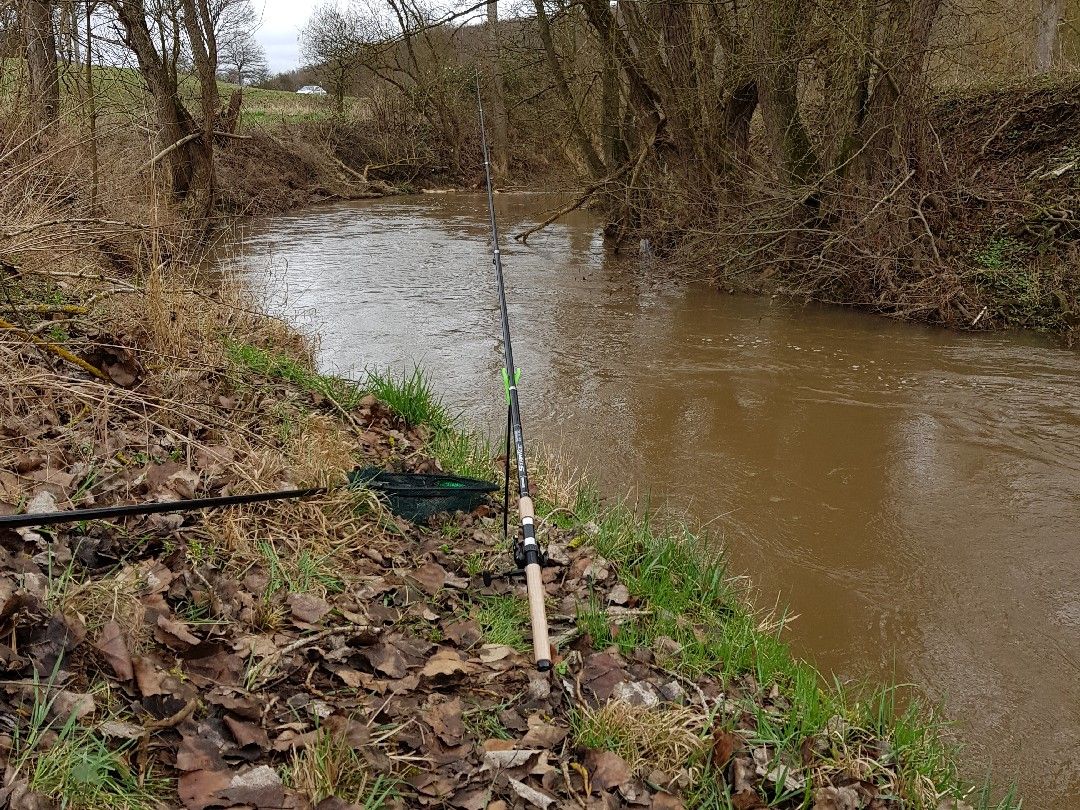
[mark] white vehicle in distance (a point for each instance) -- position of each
(311, 90)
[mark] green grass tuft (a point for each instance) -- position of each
(332, 766)
(503, 620)
(410, 396)
(687, 597)
(463, 453)
(79, 769)
(345, 393)
(305, 572)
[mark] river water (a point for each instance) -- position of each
(913, 495)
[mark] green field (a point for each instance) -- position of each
(120, 90)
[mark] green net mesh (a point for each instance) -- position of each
(417, 497)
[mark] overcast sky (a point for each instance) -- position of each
(282, 21)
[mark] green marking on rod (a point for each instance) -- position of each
(506, 381)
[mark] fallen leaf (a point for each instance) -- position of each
(199, 750)
(148, 677)
(532, 795)
(465, 634)
(219, 667)
(600, 674)
(198, 790)
(445, 720)
(430, 577)
(510, 758)
(747, 800)
(354, 732)
(742, 775)
(725, 743)
(490, 653)
(606, 769)
(174, 634)
(120, 730)
(663, 800)
(831, 798)
(471, 799)
(247, 733)
(68, 705)
(111, 644)
(542, 734)
(636, 693)
(259, 787)
(307, 608)
(387, 659)
(446, 661)
(336, 803)
(352, 678)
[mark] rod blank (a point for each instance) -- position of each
(157, 507)
(530, 548)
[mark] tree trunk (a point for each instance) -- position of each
(1046, 34)
(577, 129)
(91, 107)
(643, 98)
(734, 129)
(202, 39)
(500, 158)
(893, 135)
(777, 84)
(40, 39)
(189, 168)
(680, 107)
(615, 153)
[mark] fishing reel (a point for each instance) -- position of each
(517, 551)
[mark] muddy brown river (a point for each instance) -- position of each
(913, 495)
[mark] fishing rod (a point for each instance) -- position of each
(527, 554)
(413, 496)
(23, 521)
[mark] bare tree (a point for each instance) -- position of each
(566, 96)
(1046, 33)
(154, 35)
(500, 149)
(40, 41)
(245, 58)
(235, 23)
(332, 43)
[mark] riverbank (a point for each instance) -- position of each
(279, 655)
(979, 235)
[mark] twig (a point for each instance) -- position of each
(926, 227)
(173, 719)
(277, 655)
(523, 237)
(169, 150)
(123, 285)
(52, 223)
(997, 131)
(55, 309)
(59, 351)
(569, 786)
(692, 685)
